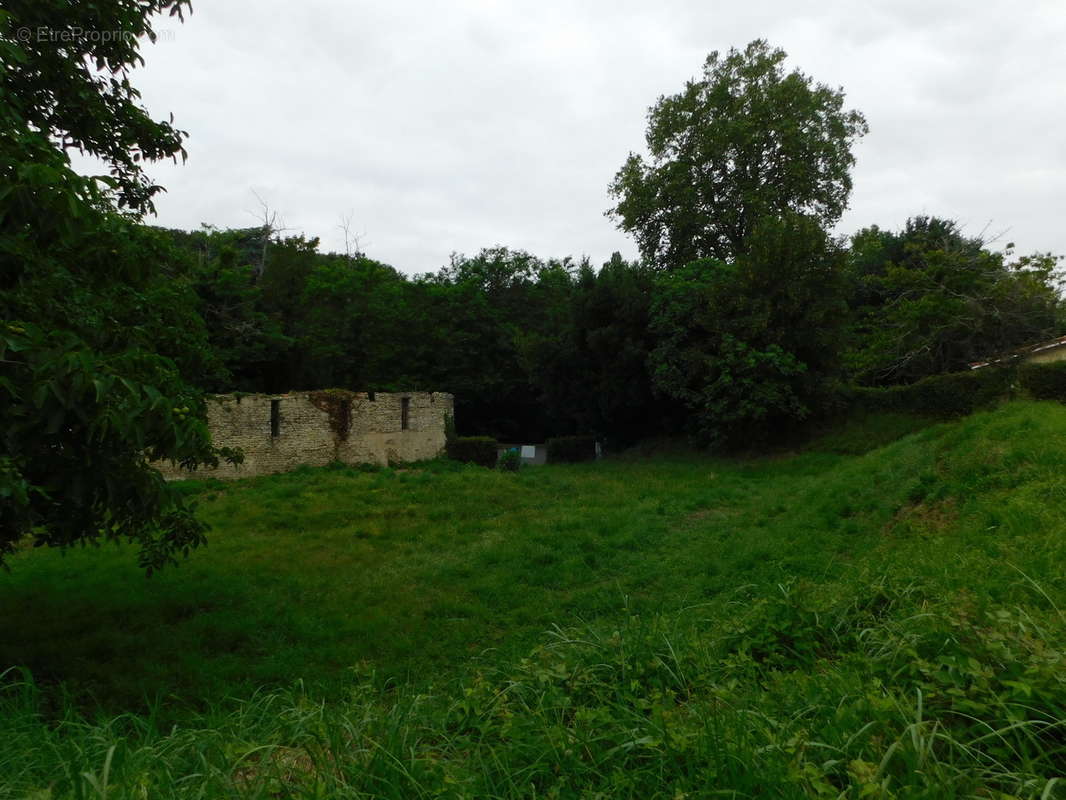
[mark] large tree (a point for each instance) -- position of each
(746, 140)
(100, 341)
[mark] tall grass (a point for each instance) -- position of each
(884, 694)
(887, 624)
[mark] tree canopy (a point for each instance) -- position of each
(744, 141)
(929, 299)
(753, 344)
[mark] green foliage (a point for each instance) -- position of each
(930, 300)
(480, 450)
(309, 319)
(883, 625)
(752, 345)
(953, 394)
(81, 428)
(249, 342)
(486, 306)
(452, 560)
(510, 460)
(744, 141)
(571, 449)
(591, 367)
(860, 431)
(348, 316)
(1044, 381)
(100, 341)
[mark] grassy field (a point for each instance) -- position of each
(877, 614)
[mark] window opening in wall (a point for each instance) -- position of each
(405, 413)
(370, 396)
(275, 418)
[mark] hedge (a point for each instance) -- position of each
(571, 449)
(480, 450)
(952, 394)
(1044, 381)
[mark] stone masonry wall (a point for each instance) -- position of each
(306, 435)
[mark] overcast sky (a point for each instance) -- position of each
(454, 126)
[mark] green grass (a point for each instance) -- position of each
(877, 615)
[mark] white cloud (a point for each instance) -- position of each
(447, 127)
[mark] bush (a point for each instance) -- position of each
(570, 449)
(511, 460)
(1044, 381)
(480, 450)
(953, 394)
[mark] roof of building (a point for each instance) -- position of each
(1022, 352)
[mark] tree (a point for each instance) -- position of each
(354, 324)
(744, 142)
(929, 299)
(591, 368)
(249, 341)
(754, 344)
(494, 299)
(67, 76)
(99, 337)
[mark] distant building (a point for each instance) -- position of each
(1043, 353)
(278, 432)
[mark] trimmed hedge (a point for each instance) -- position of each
(952, 394)
(1044, 381)
(570, 449)
(480, 450)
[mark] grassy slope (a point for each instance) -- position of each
(311, 572)
(413, 572)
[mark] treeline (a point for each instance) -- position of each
(532, 348)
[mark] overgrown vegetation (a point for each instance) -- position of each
(885, 624)
(1044, 381)
(878, 614)
(480, 450)
(744, 321)
(571, 449)
(102, 349)
(952, 394)
(337, 403)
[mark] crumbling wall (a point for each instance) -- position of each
(280, 432)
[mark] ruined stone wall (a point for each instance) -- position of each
(314, 428)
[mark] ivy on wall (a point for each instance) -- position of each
(337, 403)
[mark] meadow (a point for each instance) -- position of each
(875, 613)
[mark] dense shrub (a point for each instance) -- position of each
(510, 460)
(952, 394)
(751, 347)
(480, 450)
(1044, 381)
(564, 449)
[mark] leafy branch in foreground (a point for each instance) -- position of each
(101, 344)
